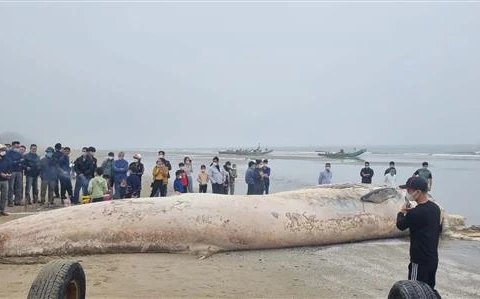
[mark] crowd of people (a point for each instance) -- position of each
(389, 179)
(114, 178)
(117, 178)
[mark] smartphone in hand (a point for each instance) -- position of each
(407, 203)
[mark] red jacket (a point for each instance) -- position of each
(184, 179)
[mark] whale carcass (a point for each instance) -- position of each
(207, 223)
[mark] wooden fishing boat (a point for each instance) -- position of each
(342, 154)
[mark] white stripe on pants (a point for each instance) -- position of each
(414, 274)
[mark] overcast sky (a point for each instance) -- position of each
(217, 74)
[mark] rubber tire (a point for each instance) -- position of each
(59, 279)
(411, 289)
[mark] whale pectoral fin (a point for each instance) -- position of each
(380, 195)
(202, 251)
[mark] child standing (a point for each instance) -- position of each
(202, 179)
(97, 187)
(177, 185)
(184, 177)
(122, 189)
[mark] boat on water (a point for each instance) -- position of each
(246, 151)
(342, 154)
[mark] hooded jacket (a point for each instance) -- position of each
(97, 187)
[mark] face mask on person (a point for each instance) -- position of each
(161, 156)
(136, 160)
(327, 168)
(2, 153)
(16, 149)
(411, 196)
(425, 167)
(110, 158)
(49, 155)
(367, 166)
(214, 163)
(182, 168)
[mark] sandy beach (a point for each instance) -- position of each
(362, 270)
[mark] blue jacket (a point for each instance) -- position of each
(177, 186)
(48, 169)
(120, 168)
(57, 156)
(250, 176)
(64, 166)
(4, 167)
(134, 185)
(266, 170)
(16, 160)
(31, 161)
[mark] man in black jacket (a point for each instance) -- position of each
(57, 156)
(424, 224)
(91, 153)
(64, 175)
(366, 173)
(259, 182)
(161, 155)
(137, 168)
(15, 183)
(84, 168)
(32, 171)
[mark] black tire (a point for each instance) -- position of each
(411, 289)
(59, 279)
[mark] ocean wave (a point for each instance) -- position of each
(417, 154)
(474, 156)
